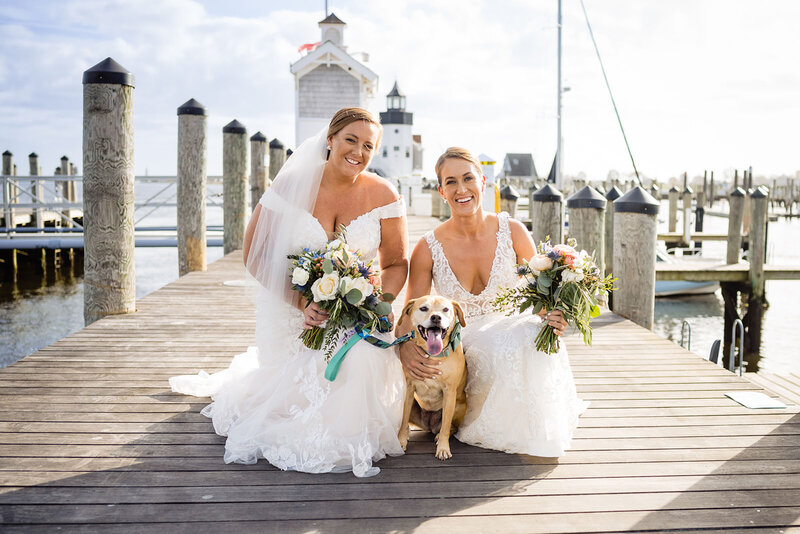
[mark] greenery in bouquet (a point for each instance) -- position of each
(562, 278)
(348, 288)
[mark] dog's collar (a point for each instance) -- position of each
(455, 341)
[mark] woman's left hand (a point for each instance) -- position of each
(555, 319)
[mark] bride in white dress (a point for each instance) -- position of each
(274, 401)
(519, 400)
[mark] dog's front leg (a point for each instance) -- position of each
(409, 401)
(443, 437)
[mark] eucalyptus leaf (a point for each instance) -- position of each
(543, 281)
(388, 297)
(353, 296)
(327, 266)
(383, 308)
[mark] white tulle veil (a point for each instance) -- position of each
(291, 196)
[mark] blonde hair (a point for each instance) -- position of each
(345, 116)
(455, 152)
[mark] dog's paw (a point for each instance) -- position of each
(443, 452)
(402, 437)
(404, 442)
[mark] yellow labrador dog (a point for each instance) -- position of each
(435, 323)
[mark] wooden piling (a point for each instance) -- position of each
(735, 214)
(8, 163)
(672, 220)
(36, 188)
(508, 200)
(276, 158)
(613, 194)
(635, 234)
(258, 170)
(711, 193)
(108, 200)
(587, 210)
(687, 214)
(436, 203)
(192, 179)
(759, 200)
(234, 184)
(548, 215)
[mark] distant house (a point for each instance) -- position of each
(519, 169)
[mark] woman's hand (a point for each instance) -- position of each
(416, 362)
(313, 316)
(555, 319)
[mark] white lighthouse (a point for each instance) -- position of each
(396, 156)
(327, 79)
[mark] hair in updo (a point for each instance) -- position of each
(455, 152)
(345, 116)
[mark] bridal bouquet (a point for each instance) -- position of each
(558, 278)
(344, 286)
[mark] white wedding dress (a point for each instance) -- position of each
(519, 400)
(279, 406)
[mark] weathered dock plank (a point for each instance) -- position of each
(93, 440)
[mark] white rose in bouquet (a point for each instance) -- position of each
(540, 263)
(299, 276)
(360, 283)
(326, 287)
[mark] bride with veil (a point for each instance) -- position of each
(274, 402)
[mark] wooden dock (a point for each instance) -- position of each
(93, 440)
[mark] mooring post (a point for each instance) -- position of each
(613, 194)
(748, 185)
(735, 214)
(234, 184)
(655, 191)
(258, 170)
(436, 203)
(8, 163)
(711, 192)
(276, 158)
(192, 179)
(531, 191)
(687, 215)
(508, 200)
(36, 188)
(699, 215)
(635, 235)
(108, 201)
(759, 200)
(9, 191)
(444, 209)
(672, 223)
(548, 215)
(587, 210)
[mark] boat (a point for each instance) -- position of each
(672, 288)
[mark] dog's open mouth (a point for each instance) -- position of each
(433, 338)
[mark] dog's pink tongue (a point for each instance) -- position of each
(434, 342)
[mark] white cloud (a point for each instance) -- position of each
(700, 84)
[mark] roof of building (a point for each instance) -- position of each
(329, 53)
(395, 91)
(519, 164)
(331, 19)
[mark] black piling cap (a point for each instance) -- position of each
(587, 198)
(258, 136)
(688, 189)
(737, 192)
(108, 71)
(674, 189)
(234, 127)
(533, 188)
(508, 193)
(192, 107)
(548, 193)
(637, 200)
(64, 158)
(758, 192)
(289, 152)
(33, 155)
(613, 194)
(7, 153)
(600, 190)
(276, 144)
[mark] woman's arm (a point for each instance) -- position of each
(393, 253)
(420, 272)
(248, 233)
(522, 240)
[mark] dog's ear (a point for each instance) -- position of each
(406, 311)
(459, 313)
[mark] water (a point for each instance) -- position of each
(34, 317)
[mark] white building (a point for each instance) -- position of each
(396, 156)
(327, 78)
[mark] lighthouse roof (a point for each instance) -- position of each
(395, 91)
(331, 19)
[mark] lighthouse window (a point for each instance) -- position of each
(408, 153)
(396, 130)
(385, 152)
(397, 149)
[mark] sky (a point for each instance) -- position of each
(700, 84)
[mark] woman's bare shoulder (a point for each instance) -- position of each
(381, 191)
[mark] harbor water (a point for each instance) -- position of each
(34, 316)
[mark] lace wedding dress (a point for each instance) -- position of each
(519, 400)
(279, 406)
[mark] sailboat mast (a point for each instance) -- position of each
(558, 114)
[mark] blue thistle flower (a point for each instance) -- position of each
(521, 269)
(553, 255)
